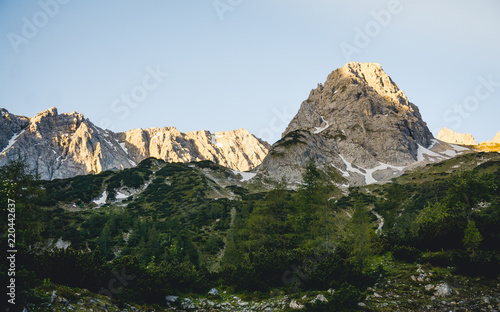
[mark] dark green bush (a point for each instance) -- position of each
(406, 253)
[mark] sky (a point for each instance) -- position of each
(220, 65)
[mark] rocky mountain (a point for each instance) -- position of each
(68, 144)
(450, 136)
(496, 138)
(358, 123)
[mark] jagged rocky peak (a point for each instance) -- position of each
(357, 121)
(64, 145)
(236, 149)
(496, 138)
(450, 136)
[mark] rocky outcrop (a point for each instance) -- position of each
(450, 136)
(358, 123)
(64, 145)
(237, 149)
(496, 139)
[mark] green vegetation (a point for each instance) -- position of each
(182, 232)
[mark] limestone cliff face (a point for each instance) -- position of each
(65, 145)
(496, 138)
(450, 136)
(359, 123)
(237, 149)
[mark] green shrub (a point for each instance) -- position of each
(439, 258)
(406, 253)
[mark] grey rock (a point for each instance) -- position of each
(213, 292)
(320, 298)
(53, 297)
(429, 287)
(295, 305)
(172, 299)
(443, 290)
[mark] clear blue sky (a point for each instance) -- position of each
(244, 63)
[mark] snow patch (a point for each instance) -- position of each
(120, 195)
(350, 167)
(245, 175)
(212, 139)
(122, 145)
(12, 140)
(424, 151)
(368, 174)
(434, 142)
(345, 174)
(320, 129)
(459, 148)
(220, 145)
(102, 200)
(450, 153)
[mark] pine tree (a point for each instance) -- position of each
(361, 235)
(472, 238)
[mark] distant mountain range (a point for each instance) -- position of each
(358, 125)
(64, 145)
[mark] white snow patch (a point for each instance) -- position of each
(368, 174)
(320, 129)
(434, 142)
(349, 166)
(459, 148)
(109, 143)
(120, 195)
(450, 153)
(424, 151)
(101, 200)
(345, 174)
(245, 175)
(220, 145)
(212, 139)
(12, 140)
(122, 145)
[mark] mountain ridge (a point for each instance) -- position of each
(68, 144)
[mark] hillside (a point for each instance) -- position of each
(186, 228)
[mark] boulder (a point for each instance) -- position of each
(443, 290)
(295, 305)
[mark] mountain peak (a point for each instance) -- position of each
(450, 136)
(48, 112)
(358, 117)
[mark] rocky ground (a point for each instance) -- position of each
(403, 287)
